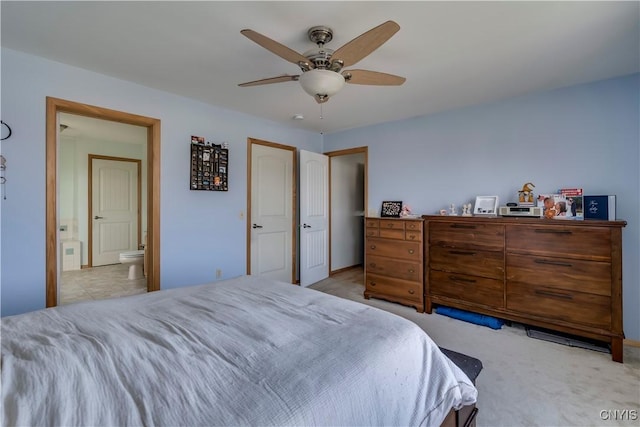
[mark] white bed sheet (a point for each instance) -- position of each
(244, 351)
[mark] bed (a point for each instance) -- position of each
(243, 351)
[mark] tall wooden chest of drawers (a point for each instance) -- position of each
(561, 275)
(394, 260)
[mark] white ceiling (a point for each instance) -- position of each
(453, 54)
(81, 128)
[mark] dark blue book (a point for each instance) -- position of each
(600, 207)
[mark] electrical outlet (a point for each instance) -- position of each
(218, 273)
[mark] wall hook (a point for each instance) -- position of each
(8, 129)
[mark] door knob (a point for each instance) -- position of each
(256, 226)
(306, 226)
(98, 217)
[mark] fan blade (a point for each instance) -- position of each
(270, 80)
(366, 77)
(364, 44)
(279, 49)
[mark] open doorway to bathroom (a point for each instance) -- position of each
(75, 133)
(100, 203)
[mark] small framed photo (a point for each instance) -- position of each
(391, 209)
(486, 205)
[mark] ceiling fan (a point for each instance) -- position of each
(322, 68)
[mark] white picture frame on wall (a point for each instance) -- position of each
(486, 206)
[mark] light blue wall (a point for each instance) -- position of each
(200, 230)
(582, 136)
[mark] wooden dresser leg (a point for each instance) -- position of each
(427, 305)
(616, 349)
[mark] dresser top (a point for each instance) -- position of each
(419, 218)
(528, 221)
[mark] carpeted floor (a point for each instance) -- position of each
(525, 381)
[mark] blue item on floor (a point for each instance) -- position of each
(467, 316)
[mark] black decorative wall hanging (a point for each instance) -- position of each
(391, 209)
(209, 166)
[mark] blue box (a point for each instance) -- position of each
(600, 207)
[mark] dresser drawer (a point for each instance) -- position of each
(406, 270)
(550, 303)
(391, 224)
(413, 226)
(560, 273)
(413, 236)
(592, 243)
(397, 288)
(372, 223)
(390, 233)
(477, 290)
(394, 249)
(372, 232)
(467, 235)
(480, 263)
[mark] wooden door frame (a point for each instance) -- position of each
(55, 106)
(294, 199)
(91, 157)
(364, 150)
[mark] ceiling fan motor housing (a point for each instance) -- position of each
(320, 56)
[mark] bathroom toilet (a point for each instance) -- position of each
(135, 259)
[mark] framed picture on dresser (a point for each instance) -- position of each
(391, 209)
(486, 205)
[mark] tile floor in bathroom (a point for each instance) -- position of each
(108, 281)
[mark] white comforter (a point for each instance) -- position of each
(245, 351)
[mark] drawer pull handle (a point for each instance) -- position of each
(390, 225)
(411, 237)
(411, 251)
(463, 226)
(412, 226)
(372, 283)
(372, 265)
(546, 231)
(411, 270)
(553, 294)
(372, 246)
(461, 279)
(462, 253)
(549, 262)
(411, 291)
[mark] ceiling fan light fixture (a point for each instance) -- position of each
(325, 83)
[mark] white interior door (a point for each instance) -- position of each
(314, 217)
(114, 205)
(272, 211)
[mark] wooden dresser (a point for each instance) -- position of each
(394, 260)
(561, 275)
